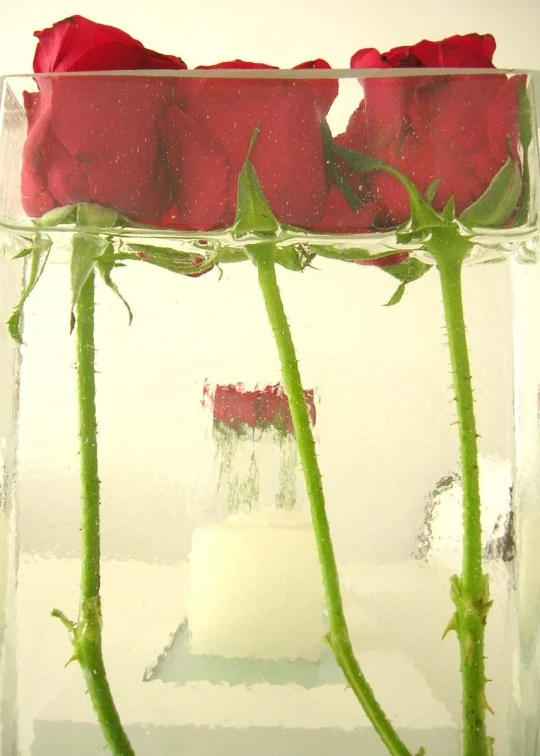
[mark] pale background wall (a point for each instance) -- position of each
(283, 32)
(141, 486)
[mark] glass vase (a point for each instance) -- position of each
(217, 594)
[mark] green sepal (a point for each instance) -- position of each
(525, 116)
(431, 191)
(397, 296)
(173, 260)
(449, 210)
(98, 216)
(407, 271)
(23, 253)
(423, 216)
(255, 219)
(525, 137)
(87, 214)
(58, 217)
(348, 255)
(499, 201)
(104, 268)
(350, 196)
(294, 257)
(86, 250)
(359, 160)
(230, 255)
(253, 213)
(39, 255)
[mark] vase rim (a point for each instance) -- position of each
(281, 73)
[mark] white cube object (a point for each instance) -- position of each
(255, 588)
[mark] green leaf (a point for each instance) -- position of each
(499, 200)
(396, 296)
(86, 250)
(104, 268)
(39, 256)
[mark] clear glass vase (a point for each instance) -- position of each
(217, 588)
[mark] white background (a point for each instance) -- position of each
(282, 32)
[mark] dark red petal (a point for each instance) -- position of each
(32, 104)
(355, 137)
(289, 159)
(198, 172)
(92, 116)
(50, 177)
(342, 219)
(368, 58)
(77, 44)
(323, 91)
(233, 406)
(401, 57)
(139, 189)
(236, 64)
(468, 51)
(385, 262)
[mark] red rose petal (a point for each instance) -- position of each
(198, 171)
(77, 44)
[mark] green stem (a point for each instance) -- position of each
(470, 592)
(338, 637)
(86, 633)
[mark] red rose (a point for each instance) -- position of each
(456, 129)
(77, 44)
(96, 139)
(206, 136)
(234, 407)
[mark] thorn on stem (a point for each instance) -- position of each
(63, 619)
(452, 625)
(71, 659)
